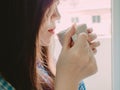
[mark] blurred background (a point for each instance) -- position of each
(96, 14)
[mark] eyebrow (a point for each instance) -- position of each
(57, 1)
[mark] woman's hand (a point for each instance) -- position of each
(91, 37)
(75, 62)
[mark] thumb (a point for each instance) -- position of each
(68, 36)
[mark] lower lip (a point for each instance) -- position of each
(52, 31)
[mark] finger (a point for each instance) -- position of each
(91, 37)
(89, 30)
(72, 43)
(68, 35)
(94, 50)
(94, 44)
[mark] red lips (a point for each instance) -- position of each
(52, 31)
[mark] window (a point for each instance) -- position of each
(96, 19)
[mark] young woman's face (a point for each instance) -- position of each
(47, 29)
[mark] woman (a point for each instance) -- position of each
(31, 24)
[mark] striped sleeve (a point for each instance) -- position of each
(4, 85)
(81, 86)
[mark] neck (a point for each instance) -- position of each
(51, 65)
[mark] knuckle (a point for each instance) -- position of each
(92, 37)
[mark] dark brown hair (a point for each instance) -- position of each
(18, 46)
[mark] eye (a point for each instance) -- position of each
(55, 12)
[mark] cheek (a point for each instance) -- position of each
(44, 38)
(44, 35)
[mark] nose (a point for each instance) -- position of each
(56, 15)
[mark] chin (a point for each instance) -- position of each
(45, 42)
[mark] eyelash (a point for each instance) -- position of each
(55, 10)
(52, 13)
